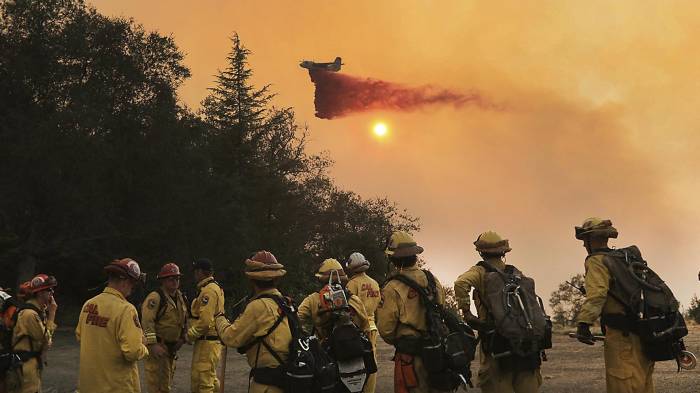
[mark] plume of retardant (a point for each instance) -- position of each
(339, 95)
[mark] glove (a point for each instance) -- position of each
(583, 333)
(477, 324)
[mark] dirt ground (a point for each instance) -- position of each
(572, 368)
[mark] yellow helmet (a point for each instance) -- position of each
(401, 244)
(596, 227)
(491, 243)
(327, 267)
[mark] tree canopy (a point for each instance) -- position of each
(99, 159)
(566, 302)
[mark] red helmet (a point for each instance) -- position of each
(169, 270)
(41, 282)
(126, 267)
(25, 289)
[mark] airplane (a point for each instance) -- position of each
(312, 65)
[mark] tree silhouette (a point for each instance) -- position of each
(567, 300)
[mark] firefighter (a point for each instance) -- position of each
(627, 368)
(31, 336)
(401, 316)
(367, 290)
(110, 335)
(313, 310)
(266, 348)
(493, 378)
(164, 318)
(202, 331)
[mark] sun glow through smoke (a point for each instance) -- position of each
(380, 130)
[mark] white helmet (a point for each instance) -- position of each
(356, 263)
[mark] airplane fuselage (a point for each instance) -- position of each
(312, 65)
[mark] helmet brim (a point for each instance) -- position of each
(404, 251)
(265, 275)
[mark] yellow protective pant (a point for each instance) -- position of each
(494, 380)
(371, 383)
(260, 388)
(627, 369)
(26, 380)
(159, 373)
(205, 362)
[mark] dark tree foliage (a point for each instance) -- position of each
(693, 312)
(99, 160)
(567, 300)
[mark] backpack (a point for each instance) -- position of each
(523, 330)
(10, 307)
(346, 344)
(308, 367)
(450, 346)
(651, 309)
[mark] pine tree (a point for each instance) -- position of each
(234, 106)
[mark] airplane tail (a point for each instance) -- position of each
(338, 61)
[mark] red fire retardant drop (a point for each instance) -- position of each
(339, 95)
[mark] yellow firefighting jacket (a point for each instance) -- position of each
(32, 334)
(474, 278)
(401, 313)
(170, 327)
(111, 343)
(314, 319)
(597, 283)
(210, 302)
(256, 321)
(368, 291)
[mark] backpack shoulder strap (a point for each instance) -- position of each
(286, 312)
(22, 307)
(430, 304)
(411, 284)
(15, 316)
(507, 272)
(283, 307)
(162, 306)
(605, 251)
(432, 284)
(487, 267)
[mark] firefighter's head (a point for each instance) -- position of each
(491, 244)
(402, 250)
(356, 263)
(263, 270)
(331, 271)
(124, 275)
(169, 277)
(41, 287)
(201, 269)
(595, 232)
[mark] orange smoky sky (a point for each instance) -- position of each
(603, 115)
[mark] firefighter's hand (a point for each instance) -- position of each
(482, 326)
(51, 308)
(158, 350)
(583, 333)
(179, 345)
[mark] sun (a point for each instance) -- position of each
(380, 130)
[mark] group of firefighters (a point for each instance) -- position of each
(113, 338)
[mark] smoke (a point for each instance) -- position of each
(339, 95)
